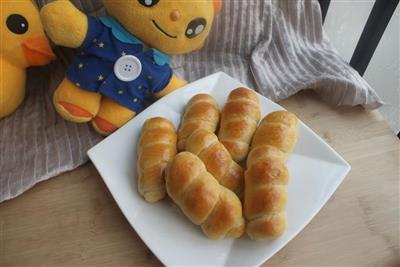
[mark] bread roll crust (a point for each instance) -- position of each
(201, 112)
(156, 147)
(202, 199)
(278, 129)
(224, 213)
(239, 119)
(267, 227)
(217, 160)
(267, 176)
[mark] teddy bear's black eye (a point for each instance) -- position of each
(195, 27)
(149, 3)
(17, 24)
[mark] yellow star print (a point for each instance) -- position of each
(101, 44)
(100, 77)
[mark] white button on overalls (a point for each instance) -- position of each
(127, 68)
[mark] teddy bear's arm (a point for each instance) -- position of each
(64, 23)
(174, 83)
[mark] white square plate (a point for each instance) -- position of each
(316, 170)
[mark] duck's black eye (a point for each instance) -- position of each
(148, 3)
(195, 27)
(17, 24)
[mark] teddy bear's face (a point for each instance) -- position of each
(172, 26)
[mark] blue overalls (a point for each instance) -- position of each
(113, 62)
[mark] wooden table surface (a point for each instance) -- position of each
(72, 220)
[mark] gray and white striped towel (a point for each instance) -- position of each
(276, 47)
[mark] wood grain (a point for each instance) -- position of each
(72, 220)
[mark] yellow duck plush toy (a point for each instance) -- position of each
(23, 44)
(124, 56)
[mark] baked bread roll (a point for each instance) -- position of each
(266, 180)
(156, 148)
(217, 160)
(201, 113)
(278, 129)
(202, 199)
(239, 120)
(266, 177)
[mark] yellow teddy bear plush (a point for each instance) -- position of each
(123, 57)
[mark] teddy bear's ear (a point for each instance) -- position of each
(217, 6)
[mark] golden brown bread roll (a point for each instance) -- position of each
(201, 113)
(202, 199)
(156, 148)
(217, 160)
(266, 177)
(278, 129)
(266, 180)
(239, 120)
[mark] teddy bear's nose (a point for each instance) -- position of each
(175, 15)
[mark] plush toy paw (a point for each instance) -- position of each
(64, 23)
(79, 105)
(111, 116)
(174, 84)
(75, 104)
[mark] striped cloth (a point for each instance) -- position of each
(276, 47)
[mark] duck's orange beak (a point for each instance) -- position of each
(37, 51)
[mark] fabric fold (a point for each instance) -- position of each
(277, 47)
